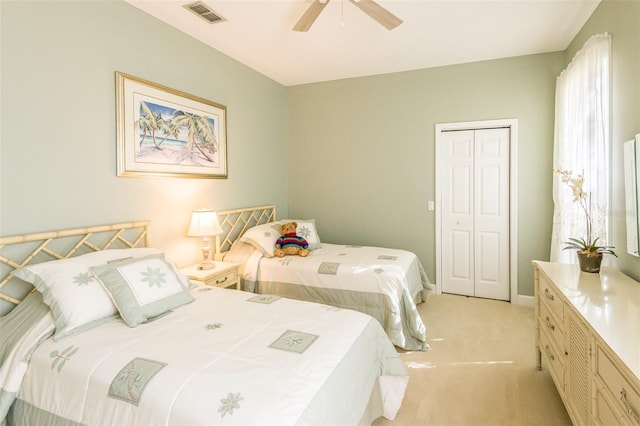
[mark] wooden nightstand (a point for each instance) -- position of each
(224, 275)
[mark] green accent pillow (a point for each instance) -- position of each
(144, 288)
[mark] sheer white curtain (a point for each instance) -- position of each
(582, 145)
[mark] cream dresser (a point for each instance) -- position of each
(588, 333)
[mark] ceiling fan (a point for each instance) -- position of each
(370, 7)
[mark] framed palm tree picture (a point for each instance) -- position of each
(165, 132)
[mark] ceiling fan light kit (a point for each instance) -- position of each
(370, 7)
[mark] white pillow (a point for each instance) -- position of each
(263, 237)
(144, 288)
(76, 299)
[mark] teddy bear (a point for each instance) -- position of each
(290, 243)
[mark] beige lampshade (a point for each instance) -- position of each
(204, 223)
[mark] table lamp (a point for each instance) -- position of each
(204, 223)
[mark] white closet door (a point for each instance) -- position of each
(457, 212)
(475, 213)
(492, 213)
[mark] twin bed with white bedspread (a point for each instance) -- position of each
(168, 354)
(382, 282)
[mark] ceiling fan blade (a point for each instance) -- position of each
(379, 13)
(310, 15)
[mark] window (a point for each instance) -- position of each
(582, 145)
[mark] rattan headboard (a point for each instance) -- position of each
(235, 222)
(20, 250)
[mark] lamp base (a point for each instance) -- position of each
(206, 265)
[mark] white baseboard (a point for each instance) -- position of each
(523, 300)
(517, 300)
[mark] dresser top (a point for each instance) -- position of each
(608, 301)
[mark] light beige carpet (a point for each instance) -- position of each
(480, 369)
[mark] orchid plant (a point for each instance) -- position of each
(582, 245)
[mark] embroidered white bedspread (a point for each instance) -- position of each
(16, 362)
(381, 282)
(230, 357)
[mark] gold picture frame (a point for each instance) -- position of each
(163, 132)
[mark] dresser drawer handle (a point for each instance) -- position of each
(222, 281)
(630, 411)
(550, 324)
(549, 354)
(547, 294)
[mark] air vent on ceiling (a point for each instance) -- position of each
(203, 11)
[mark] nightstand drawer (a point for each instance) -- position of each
(223, 274)
(227, 280)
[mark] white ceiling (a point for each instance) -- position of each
(344, 42)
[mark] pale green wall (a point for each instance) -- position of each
(621, 19)
(361, 151)
(57, 145)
